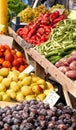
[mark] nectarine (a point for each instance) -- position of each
(6, 64)
(6, 52)
(21, 68)
(6, 47)
(9, 57)
(13, 51)
(1, 54)
(1, 61)
(15, 63)
(21, 61)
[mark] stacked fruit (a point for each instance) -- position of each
(17, 86)
(10, 58)
(35, 115)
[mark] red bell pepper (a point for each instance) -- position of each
(54, 15)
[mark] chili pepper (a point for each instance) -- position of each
(47, 28)
(41, 31)
(61, 17)
(53, 25)
(31, 33)
(54, 15)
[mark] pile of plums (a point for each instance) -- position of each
(35, 115)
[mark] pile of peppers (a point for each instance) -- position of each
(38, 31)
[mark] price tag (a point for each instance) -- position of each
(51, 98)
(25, 45)
(28, 69)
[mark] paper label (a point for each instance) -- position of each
(51, 98)
(28, 69)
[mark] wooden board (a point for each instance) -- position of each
(4, 104)
(4, 39)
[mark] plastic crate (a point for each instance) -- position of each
(15, 25)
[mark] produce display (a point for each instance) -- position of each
(35, 115)
(61, 42)
(59, 7)
(68, 65)
(17, 86)
(29, 14)
(38, 31)
(15, 6)
(11, 58)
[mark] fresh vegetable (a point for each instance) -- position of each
(60, 8)
(15, 6)
(39, 30)
(61, 42)
(71, 74)
(72, 65)
(68, 65)
(29, 14)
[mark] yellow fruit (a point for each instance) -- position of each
(41, 81)
(26, 90)
(2, 87)
(33, 84)
(37, 89)
(30, 97)
(35, 78)
(50, 86)
(26, 80)
(1, 78)
(5, 97)
(6, 82)
(14, 86)
(46, 92)
(41, 96)
(13, 77)
(11, 93)
(19, 96)
(19, 83)
(2, 93)
(4, 72)
(16, 72)
(22, 76)
(43, 86)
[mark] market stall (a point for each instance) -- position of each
(35, 62)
